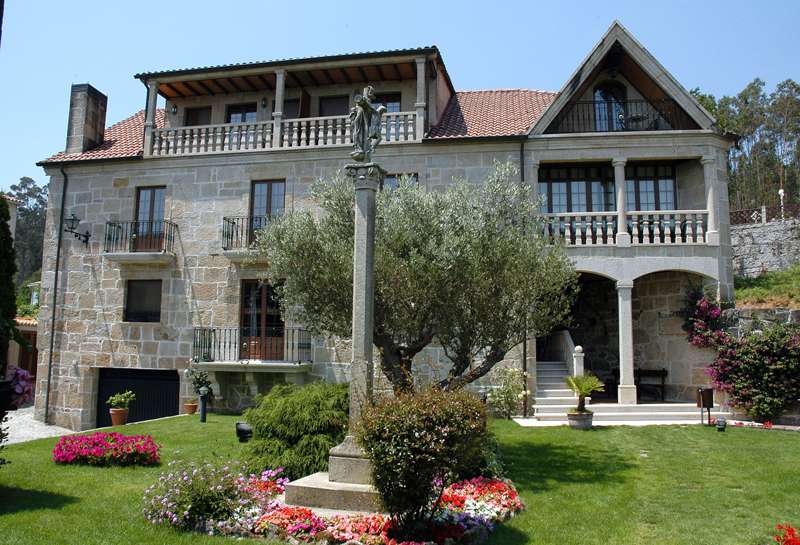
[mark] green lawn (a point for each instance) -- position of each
(775, 289)
(659, 485)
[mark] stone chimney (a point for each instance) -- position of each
(87, 118)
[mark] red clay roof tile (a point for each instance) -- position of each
(503, 112)
(122, 140)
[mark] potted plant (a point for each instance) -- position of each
(583, 386)
(190, 407)
(199, 379)
(119, 404)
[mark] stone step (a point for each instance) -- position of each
(554, 392)
(650, 408)
(551, 362)
(552, 385)
(551, 366)
(317, 491)
(633, 416)
(562, 401)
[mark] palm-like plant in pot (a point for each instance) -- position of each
(119, 404)
(583, 386)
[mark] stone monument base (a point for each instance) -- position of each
(318, 491)
(347, 485)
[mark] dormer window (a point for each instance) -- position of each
(609, 106)
(242, 113)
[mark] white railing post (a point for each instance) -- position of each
(623, 238)
(577, 361)
(421, 98)
(710, 178)
(277, 116)
(150, 117)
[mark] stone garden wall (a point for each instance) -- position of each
(759, 248)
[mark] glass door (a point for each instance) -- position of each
(148, 229)
(262, 328)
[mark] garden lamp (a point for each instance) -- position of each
(721, 423)
(244, 431)
(203, 395)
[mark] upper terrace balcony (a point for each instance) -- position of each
(297, 104)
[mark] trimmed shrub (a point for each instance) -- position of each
(761, 371)
(417, 445)
(295, 427)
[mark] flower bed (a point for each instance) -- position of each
(220, 501)
(787, 535)
(106, 448)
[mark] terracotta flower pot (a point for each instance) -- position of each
(580, 421)
(119, 417)
(190, 408)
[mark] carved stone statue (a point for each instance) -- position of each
(365, 120)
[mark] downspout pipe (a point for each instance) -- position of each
(524, 333)
(55, 292)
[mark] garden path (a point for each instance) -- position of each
(22, 427)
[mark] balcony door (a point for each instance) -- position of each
(262, 329)
(266, 201)
(148, 229)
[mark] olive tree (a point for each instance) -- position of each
(468, 266)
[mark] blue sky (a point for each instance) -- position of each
(49, 44)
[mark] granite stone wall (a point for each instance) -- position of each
(760, 248)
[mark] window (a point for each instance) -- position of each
(650, 187)
(609, 106)
(390, 100)
(390, 181)
(197, 116)
(148, 229)
(143, 301)
(576, 189)
(266, 201)
(242, 113)
(338, 105)
(291, 108)
(150, 204)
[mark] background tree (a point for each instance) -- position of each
(431, 249)
(8, 268)
(766, 157)
(30, 227)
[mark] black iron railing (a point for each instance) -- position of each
(239, 232)
(623, 116)
(289, 344)
(765, 214)
(139, 236)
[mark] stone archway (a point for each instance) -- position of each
(659, 341)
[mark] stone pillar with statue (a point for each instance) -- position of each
(347, 483)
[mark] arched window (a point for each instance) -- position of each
(609, 106)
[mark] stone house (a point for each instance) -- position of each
(630, 168)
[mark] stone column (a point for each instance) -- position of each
(347, 461)
(277, 115)
(421, 97)
(623, 237)
(626, 392)
(710, 179)
(150, 116)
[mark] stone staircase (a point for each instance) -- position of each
(554, 399)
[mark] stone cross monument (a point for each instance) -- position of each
(347, 461)
(347, 485)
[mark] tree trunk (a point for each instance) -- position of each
(395, 364)
(496, 355)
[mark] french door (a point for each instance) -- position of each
(262, 329)
(149, 226)
(266, 201)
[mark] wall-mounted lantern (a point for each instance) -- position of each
(70, 226)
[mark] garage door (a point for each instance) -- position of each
(156, 393)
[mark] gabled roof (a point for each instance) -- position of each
(648, 63)
(486, 114)
(11, 199)
(122, 140)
